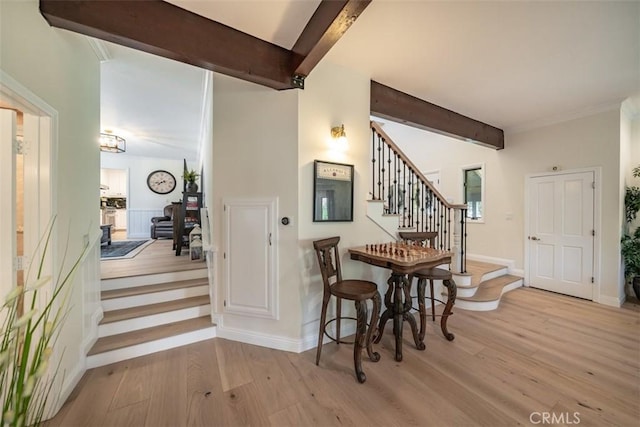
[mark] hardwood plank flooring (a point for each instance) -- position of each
(538, 352)
(158, 257)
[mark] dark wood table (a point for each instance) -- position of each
(404, 260)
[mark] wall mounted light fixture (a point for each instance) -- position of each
(112, 143)
(339, 135)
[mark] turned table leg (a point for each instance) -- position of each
(448, 308)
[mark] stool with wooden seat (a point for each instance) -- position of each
(427, 239)
(358, 291)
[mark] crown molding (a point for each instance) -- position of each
(561, 118)
(100, 49)
(631, 108)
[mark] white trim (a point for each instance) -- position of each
(258, 338)
(630, 108)
(536, 124)
(206, 118)
(100, 48)
(597, 223)
(612, 301)
(91, 339)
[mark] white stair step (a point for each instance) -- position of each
(158, 296)
(151, 279)
(182, 333)
(488, 295)
(135, 318)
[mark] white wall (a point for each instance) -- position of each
(61, 69)
(629, 158)
(138, 195)
(333, 96)
(255, 152)
(584, 142)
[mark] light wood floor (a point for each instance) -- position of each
(538, 352)
(158, 257)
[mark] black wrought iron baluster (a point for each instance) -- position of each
(410, 186)
(373, 163)
(390, 172)
(404, 194)
(382, 194)
(396, 183)
(380, 140)
(449, 227)
(463, 243)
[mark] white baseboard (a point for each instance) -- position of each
(294, 345)
(263, 340)
(611, 301)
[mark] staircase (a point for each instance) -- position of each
(402, 199)
(150, 313)
(481, 288)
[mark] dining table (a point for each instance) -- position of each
(404, 259)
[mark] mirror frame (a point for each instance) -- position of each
(344, 173)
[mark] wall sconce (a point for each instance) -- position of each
(339, 136)
(112, 143)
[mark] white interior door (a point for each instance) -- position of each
(561, 233)
(250, 258)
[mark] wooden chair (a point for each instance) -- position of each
(428, 239)
(358, 291)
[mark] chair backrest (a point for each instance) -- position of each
(328, 259)
(168, 211)
(425, 238)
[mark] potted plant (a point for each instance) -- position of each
(630, 242)
(191, 176)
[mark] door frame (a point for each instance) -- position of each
(597, 224)
(15, 95)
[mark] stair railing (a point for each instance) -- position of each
(405, 192)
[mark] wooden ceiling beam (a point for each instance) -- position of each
(166, 30)
(328, 24)
(391, 104)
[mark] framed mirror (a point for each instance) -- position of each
(332, 192)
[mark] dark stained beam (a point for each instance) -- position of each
(400, 107)
(329, 22)
(166, 30)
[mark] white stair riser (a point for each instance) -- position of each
(486, 305)
(152, 279)
(142, 349)
(154, 298)
(466, 292)
(493, 274)
(477, 305)
(461, 280)
(152, 320)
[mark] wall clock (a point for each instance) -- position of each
(161, 182)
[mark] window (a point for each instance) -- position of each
(474, 192)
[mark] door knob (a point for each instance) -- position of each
(534, 238)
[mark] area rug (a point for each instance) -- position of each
(123, 249)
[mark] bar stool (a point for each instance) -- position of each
(358, 291)
(428, 239)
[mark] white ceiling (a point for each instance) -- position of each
(511, 64)
(154, 103)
